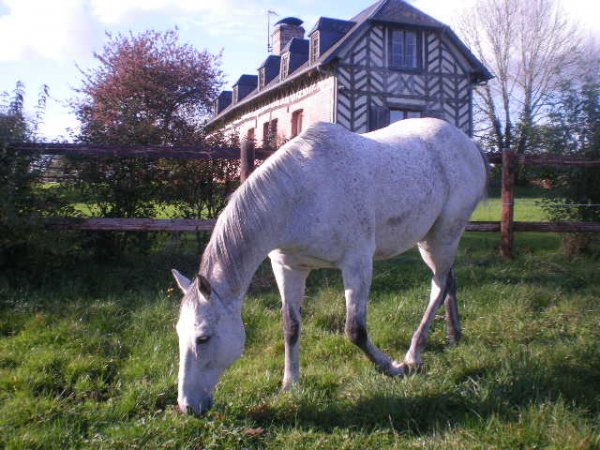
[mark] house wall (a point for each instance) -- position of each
(442, 87)
(315, 99)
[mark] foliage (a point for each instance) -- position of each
(148, 89)
(574, 129)
(88, 359)
(22, 202)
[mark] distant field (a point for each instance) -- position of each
(527, 206)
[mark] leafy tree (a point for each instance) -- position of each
(22, 201)
(574, 129)
(147, 89)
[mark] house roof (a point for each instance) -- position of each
(397, 12)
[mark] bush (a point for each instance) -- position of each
(23, 200)
(574, 130)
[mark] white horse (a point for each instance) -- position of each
(330, 198)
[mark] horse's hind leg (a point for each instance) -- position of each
(357, 273)
(453, 330)
(438, 253)
(291, 284)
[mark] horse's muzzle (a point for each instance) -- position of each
(201, 408)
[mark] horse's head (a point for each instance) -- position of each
(211, 338)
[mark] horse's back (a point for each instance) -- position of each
(381, 191)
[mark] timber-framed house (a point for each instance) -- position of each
(388, 63)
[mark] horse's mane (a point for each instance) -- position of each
(249, 214)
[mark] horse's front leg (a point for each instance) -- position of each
(357, 275)
(291, 284)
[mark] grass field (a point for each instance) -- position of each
(88, 358)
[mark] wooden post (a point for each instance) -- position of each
(246, 159)
(508, 199)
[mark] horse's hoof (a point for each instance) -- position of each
(394, 369)
(413, 368)
(288, 386)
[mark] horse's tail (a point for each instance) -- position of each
(488, 170)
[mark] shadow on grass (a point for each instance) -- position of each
(575, 385)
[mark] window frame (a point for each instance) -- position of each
(284, 69)
(261, 78)
(418, 49)
(407, 113)
(297, 119)
(315, 43)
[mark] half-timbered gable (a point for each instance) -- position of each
(388, 63)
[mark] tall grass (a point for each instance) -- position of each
(88, 359)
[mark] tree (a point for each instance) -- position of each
(148, 89)
(22, 202)
(530, 47)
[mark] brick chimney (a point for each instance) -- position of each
(284, 31)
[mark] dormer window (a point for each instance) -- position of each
(285, 66)
(234, 98)
(314, 47)
(261, 79)
(404, 45)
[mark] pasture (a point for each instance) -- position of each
(88, 359)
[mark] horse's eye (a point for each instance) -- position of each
(202, 340)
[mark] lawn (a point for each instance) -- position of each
(527, 205)
(88, 359)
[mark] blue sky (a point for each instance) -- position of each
(48, 39)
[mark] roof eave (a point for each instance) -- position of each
(260, 94)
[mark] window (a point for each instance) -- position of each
(261, 79)
(285, 66)
(314, 47)
(296, 122)
(404, 50)
(381, 116)
(234, 98)
(401, 114)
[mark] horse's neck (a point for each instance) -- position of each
(231, 261)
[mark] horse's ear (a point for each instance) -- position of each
(182, 281)
(204, 285)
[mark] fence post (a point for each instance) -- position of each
(246, 158)
(508, 199)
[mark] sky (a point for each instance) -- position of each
(47, 42)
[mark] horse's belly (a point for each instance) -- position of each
(396, 234)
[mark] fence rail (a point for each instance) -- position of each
(191, 225)
(248, 154)
(138, 151)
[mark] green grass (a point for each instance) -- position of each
(88, 359)
(527, 206)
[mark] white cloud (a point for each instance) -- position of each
(52, 30)
(119, 11)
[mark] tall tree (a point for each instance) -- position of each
(147, 89)
(530, 46)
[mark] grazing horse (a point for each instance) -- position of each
(330, 198)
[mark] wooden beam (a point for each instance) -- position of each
(192, 225)
(246, 159)
(508, 199)
(137, 151)
(546, 160)
(109, 224)
(543, 227)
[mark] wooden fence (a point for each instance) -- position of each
(248, 155)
